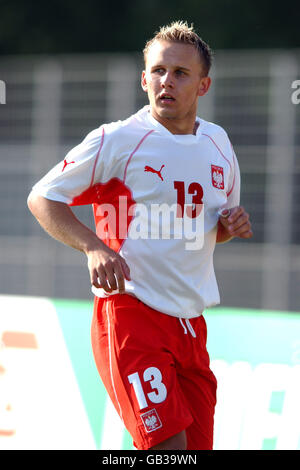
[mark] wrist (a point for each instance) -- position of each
(91, 244)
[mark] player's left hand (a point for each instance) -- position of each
(237, 223)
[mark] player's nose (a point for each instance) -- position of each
(167, 80)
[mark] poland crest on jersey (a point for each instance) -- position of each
(217, 176)
(151, 420)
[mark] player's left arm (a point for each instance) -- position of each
(232, 223)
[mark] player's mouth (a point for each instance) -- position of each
(166, 98)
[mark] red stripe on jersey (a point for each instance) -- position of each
(225, 159)
(230, 191)
(218, 149)
(97, 157)
(136, 148)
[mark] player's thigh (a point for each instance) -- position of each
(200, 391)
(176, 442)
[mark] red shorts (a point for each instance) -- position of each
(155, 368)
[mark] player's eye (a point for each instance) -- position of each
(158, 70)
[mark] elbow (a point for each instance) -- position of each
(32, 202)
(29, 202)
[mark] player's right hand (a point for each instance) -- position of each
(108, 270)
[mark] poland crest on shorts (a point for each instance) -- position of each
(217, 176)
(151, 420)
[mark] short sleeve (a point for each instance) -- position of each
(76, 173)
(234, 186)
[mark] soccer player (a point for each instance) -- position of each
(151, 283)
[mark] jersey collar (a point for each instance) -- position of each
(182, 137)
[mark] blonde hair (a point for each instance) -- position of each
(180, 31)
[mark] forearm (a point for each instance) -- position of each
(108, 270)
(59, 221)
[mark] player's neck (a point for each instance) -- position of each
(178, 126)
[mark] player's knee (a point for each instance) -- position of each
(176, 442)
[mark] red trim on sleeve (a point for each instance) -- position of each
(136, 148)
(97, 157)
(228, 194)
(218, 149)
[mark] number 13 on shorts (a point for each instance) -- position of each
(152, 375)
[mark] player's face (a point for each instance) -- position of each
(174, 80)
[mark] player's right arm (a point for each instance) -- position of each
(105, 265)
(52, 196)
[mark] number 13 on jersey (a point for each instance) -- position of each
(152, 375)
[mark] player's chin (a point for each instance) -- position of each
(167, 112)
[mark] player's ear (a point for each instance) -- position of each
(144, 81)
(204, 86)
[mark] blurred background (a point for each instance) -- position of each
(67, 67)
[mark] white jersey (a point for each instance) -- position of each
(138, 163)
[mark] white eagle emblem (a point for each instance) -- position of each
(218, 178)
(151, 420)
